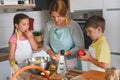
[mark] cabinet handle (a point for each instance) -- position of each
(113, 9)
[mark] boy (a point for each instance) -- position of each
(98, 55)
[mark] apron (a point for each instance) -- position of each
(60, 39)
(23, 50)
(91, 66)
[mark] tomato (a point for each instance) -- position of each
(81, 52)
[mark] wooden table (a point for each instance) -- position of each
(53, 76)
(71, 73)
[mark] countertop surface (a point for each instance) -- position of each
(72, 74)
(4, 53)
(53, 76)
(4, 56)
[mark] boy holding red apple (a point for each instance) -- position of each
(98, 54)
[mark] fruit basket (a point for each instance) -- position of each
(27, 68)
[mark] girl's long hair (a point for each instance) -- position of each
(17, 18)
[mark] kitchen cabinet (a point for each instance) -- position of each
(112, 4)
(44, 4)
(115, 61)
(111, 13)
(4, 70)
(113, 29)
(85, 4)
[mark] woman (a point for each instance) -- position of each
(63, 33)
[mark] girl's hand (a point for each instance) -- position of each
(14, 68)
(28, 34)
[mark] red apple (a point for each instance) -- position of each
(81, 52)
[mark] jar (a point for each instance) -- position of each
(26, 1)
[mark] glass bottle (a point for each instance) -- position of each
(61, 69)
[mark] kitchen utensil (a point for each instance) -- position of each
(37, 61)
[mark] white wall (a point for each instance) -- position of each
(6, 24)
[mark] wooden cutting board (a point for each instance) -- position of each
(70, 74)
(73, 73)
(94, 75)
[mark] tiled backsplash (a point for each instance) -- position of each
(6, 24)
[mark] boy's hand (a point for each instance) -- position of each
(86, 57)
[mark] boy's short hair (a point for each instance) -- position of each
(95, 22)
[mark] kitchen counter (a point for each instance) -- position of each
(53, 76)
(72, 74)
(4, 53)
(3, 56)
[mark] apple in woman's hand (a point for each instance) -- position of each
(81, 52)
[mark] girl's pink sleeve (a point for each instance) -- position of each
(13, 39)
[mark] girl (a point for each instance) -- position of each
(21, 42)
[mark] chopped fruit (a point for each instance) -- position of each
(37, 61)
(44, 73)
(52, 67)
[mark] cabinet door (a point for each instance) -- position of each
(112, 29)
(115, 61)
(85, 4)
(4, 70)
(111, 13)
(111, 4)
(42, 4)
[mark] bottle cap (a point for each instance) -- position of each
(62, 52)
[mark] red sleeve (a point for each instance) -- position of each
(13, 39)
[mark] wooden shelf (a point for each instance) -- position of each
(19, 6)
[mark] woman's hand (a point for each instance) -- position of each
(67, 53)
(56, 57)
